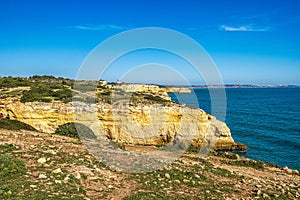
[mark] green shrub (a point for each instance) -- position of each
(104, 96)
(71, 130)
(9, 124)
(142, 97)
(46, 92)
(12, 82)
(85, 86)
(256, 164)
(7, 148)
(221, 154)
(10, 167)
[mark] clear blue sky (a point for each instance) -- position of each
(251, 41)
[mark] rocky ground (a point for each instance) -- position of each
(35, 165)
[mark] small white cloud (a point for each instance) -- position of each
(100, 27)
(244, 28)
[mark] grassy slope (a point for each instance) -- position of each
(44, 166)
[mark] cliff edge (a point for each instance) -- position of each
(125, 113)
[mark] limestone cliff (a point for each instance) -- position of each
(178, 90)
(153, 89)
(139, 124)
(127, 113)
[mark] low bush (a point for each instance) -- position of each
(47, 93)
(256, 164)
(71, 129)
(9, 124)
(12, 82)
(10, 167)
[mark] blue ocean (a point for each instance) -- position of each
(267, 120)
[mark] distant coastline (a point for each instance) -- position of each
(236, 86)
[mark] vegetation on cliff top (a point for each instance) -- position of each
(36, 88)
(50, 88)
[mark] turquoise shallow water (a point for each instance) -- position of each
(267, 120)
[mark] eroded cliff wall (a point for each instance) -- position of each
(140, 124)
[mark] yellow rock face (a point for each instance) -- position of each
(178, 90)
(45, 117)
(141, 124)
(154, 89)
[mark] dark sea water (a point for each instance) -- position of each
(267, 120)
